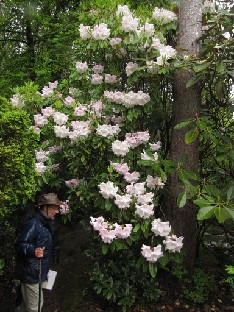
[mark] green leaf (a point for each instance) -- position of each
(136, 228)
(230, 212)
(184, 124)
(191, 135)
(181, 200)
(221, 214)
(164, 260)
(205, 213)
(202, 202)
(200, 67)
(105, 249)
(139, 263)
(153, 269)
(193, 81)
(230, 192)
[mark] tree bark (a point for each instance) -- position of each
(186, 105)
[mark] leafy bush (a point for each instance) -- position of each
(230, 279)
(199, 287)
(18, 175)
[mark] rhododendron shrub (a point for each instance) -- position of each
(98, 143)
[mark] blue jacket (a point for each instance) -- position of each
(36, 232)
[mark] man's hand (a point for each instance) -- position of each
(39, 251)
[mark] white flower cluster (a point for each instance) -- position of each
(41, 157)
(17, 100)
(107, 130)
(130, 99)
(73, 183)
(109, 232)
(81, 67)
(130, 68)
(47, 91)
(152, 254)
(80, 129)
(64, 207)
(165, 16)
(99, 32)
(172, 243)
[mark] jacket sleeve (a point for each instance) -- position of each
(25, 244)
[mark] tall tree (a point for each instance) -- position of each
(186, 105)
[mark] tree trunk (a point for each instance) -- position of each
(186, 105)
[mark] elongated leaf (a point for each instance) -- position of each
(205, 212)
(221, 214)
(184, 124)
(230, 192)
(181, 200)
(105, 249)
(136, 228)
(200, 67)
(139, 263)
(153, 269)
(191, 135)
(230, 212)
(202, 202)
(193, 81)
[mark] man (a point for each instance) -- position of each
(34, 252)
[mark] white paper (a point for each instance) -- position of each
(50, 280)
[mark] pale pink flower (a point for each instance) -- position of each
(115, 41)
(40, 167)
(85, 32)
(131, 177)
(108, 190)
(145, 198)
(165, 16)
(72, 183)
(161, 228)
(152, 254)
(40, 120)
(68, 101)
(123, 10)
(80, 110)
(155, 146)
(152, 182)
(136, 188)
(120, 168)
(61, 131)
(123, 201)
(145, 211)
(17, 100)
(81, 67)
(60, 118)
(46, 91)
(120, 148)
(129, 23)
(64, 207)
(111, 79)
(97, 69)
(47, 111)
(123, 231)
(131, 68)
(96, 79)
(107, 235)
(41, 156)
(173, 243)
(100, 32)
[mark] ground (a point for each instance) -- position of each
(72, 291)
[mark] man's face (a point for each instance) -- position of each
(51, 210)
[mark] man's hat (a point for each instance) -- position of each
(49, 199)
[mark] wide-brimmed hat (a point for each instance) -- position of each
(49, 199)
